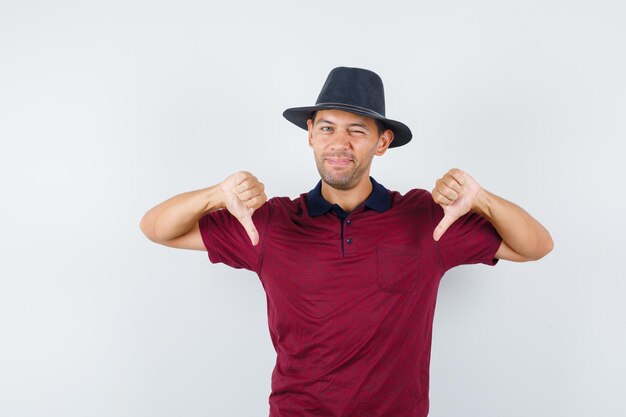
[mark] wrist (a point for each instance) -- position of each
(482, 204)
(213, 198)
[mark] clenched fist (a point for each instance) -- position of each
(243, 194)
(457, 193)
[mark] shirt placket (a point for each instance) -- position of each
(348, 239)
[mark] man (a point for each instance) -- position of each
(350, 269)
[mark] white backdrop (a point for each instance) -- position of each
(110, 107)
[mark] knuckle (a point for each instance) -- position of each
(244, 176)
(238, 177)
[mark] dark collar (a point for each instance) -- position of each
(378, 200)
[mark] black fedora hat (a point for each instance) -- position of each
(354, 90)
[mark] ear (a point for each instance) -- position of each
(383, 143)
(309, 124)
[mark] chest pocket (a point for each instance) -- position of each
(404, 269)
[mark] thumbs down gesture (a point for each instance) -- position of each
(242, 195)
(456, 192)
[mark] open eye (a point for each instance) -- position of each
(326, 128)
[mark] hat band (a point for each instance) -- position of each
(350, 107)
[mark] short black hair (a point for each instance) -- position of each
(379, 125)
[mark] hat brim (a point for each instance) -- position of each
(299, 116)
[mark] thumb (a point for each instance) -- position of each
(248, 225)
(443, 225)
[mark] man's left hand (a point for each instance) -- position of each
(457, 192)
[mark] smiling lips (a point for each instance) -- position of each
(338, 160)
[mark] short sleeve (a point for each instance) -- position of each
(471, 239)
(227, 242)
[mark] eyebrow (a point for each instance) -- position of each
(323, 121)
(363, 125)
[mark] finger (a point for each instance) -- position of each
(241, 176)
(237, 178)
(443, 226)
(256, 202)
(248, 225)
(458, 175)
(230, 184)
(448, 192)
(452, 183)
(250, 194)
(249, 183)
(440, 198)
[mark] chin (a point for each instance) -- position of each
(340, 182)
(340, 179)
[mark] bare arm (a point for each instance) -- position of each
(523, 237)
(174, 222)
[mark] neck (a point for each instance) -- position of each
(351, 198)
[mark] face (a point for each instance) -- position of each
(344, 145)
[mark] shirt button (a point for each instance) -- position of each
(349, 240)
(349, 222)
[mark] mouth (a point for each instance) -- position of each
(338, 161)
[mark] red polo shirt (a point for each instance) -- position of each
(350, 296)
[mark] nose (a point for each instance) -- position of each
(341, 139)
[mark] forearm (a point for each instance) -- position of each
(518, 229)
(179, 214)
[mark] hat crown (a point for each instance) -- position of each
(355, 87)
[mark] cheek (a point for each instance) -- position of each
(317, 149)
(318, 143)
(368, 149)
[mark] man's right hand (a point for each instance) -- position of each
(242, 195)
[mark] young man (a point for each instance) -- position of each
(350, 269)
